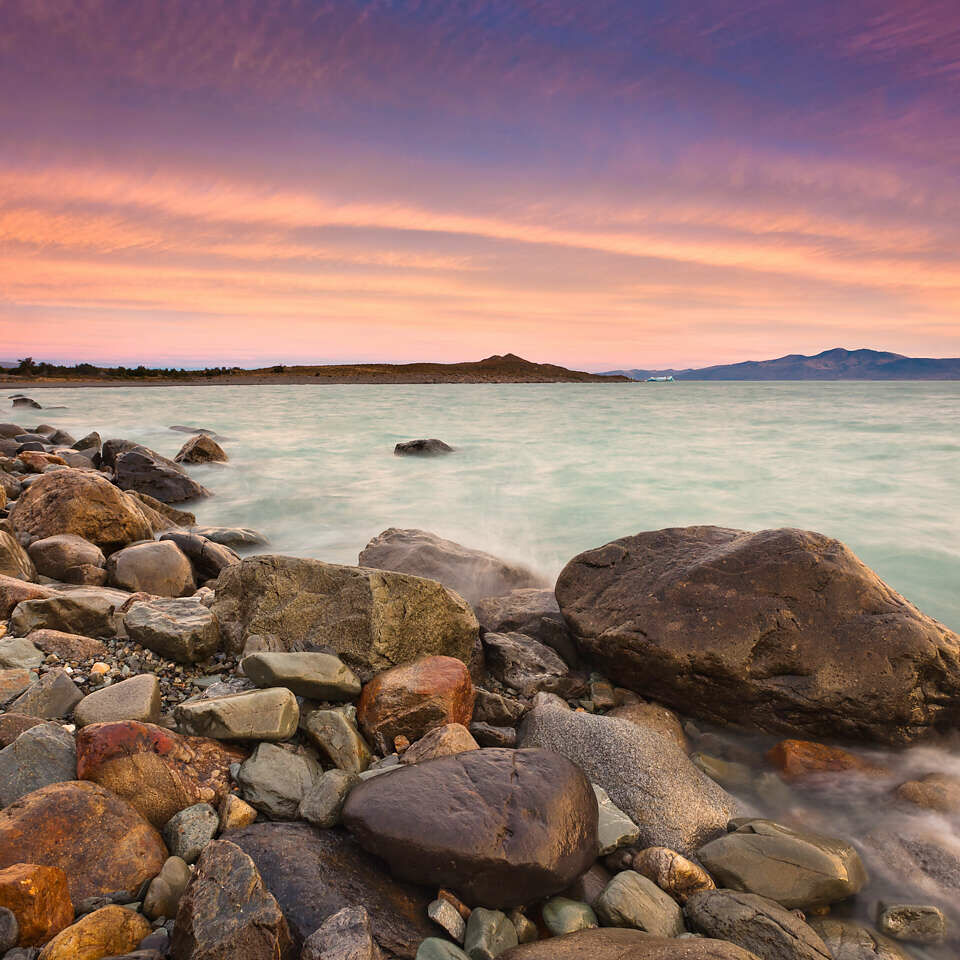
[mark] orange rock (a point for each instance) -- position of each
(107, 932)
(415, 697)
(442, 741)
(798, 759)
(39, 898)
(36, 460)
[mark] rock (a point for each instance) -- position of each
(373, 619)
(135, 699)
(935, 791)
(67, 646)
(316, 873)
(201, 449)
(533, 611)
(109, 931)
(527, 665)
(645, 774)
(323, 800)
(42, 755)
(319, 676)
(156, 771)
(336, 735)
(83, 503)
(159, 568)
(433, 948)
(421, 448)
(495, 709)
(671, 872)
(275, 780)
(89, 611)
(166, 889)
(39, 898)
(91, 441)
(228, 912)
(14, 591)
(489, 933)
(756, 924)
(442, 741)
(507, 826)
(471, 573)
(13, 682)
(526, 929)
(445, 914)
(253, 715)
(14, 560)
(562, 916)
(235, 813)
(730, 774)
(9, 930)
(614, 829)
(168, 516)
(18, 653)
(850, 941)
(147, 472)
(236, 537)
(785, 630)
(487, 735)
(69, 559)
(622, 944)
(26, 402)
(206, 557)
(412, 699)
(53, 695)
(915, 923)
(347, 935)
(179, 629)
(651, 716)
(792, 867)
(187, 833)
(99, 841)
(798, 760)
(13, 724)
(631, 900)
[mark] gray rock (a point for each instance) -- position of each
(416, 448)
(615, 829)
(18, 653)
(562, 916)
(184, 630)
(201, 449)
(319, 676)
(916, 923)
(756, 924)
(532, 611)
(147, 472)
(728, 773)
(188, 832)
(206, 557)
(527, 665)
(53, 696)
(13, 682)
(445, 914)
(336, 734)
(347, 935)
(69, 559)
(323, 802)
(91, 441)
(792, 867)
(433, 948)
(275, 780)
(135, 699)
(9, 930)
(42, 755)
(631, 900)
(166, 889)
(253, 715)
(489, 933)
(645, 774)
(850, 941)
(236, 537)
(88, 611)
(158, 567)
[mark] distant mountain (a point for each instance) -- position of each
(837, 364)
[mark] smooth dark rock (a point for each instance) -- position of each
(533, 611)
(207, 557)
(421, 448)
(147, 472)
(528, 666)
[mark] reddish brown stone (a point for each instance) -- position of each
(13, 724)
(13, 682)
(442, 741)
(13, 591)
(799, 759)
(36, 460)
(415, 697)
(39, 898)
(156, 771)
(67, 646)
(99, 841)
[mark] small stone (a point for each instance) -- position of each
(100, 669)
(347, 935)
(42, 755)
(496, 709)
(235, 813)
(442, 741)
(53, 695)
(631, 900)
(602, 695)
(915, 923)
(166, 889)
(338, 738)
(614, 828)
(401, 743)
(319, 676)
(489, 933)
(525, 927)
(67, 646)
(39, 898)
(445, 915)
(110, 931)
(135, 699)
(671, 872)
(189, 831)
(562, 916)
(255, 715)
(323, 802)
(433, 948)
(275, 780)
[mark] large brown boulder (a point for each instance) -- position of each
(80, 502)
(505, 827)
(373, 619)
(782, 630)
(99, 841)
(614, 943)
(472, 573)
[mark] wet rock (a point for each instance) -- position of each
(756, 924)
(275, 780)
(442, 741)
(792, 867)
(422, 448)
(528, 666)
(13, 724)
(18, 653)
(915, 923)
(589, 885)
(373, 619)
(319, 676)
(135, 699)
(622, 944)
(53, 695)
(90, 611)
(254, 715)
(166, 889)
(236, 537)
(316, 873)
(14, 591)
(615, 829)
(179, 629)
(67, 646)
(159, 568)
(487, 735)
(42, 755)
(156, 771)
(109, 931)
(100, 842)
(728, 773)
(228, 911)
(799, 760)
(562, 916)
(651, 716)
(671, 872)
(412, 699)
(39, 898)
(83, 503)
(671, 625)
(631, 900)
(347, 935)
(14, 560)
(507, 827)
(26, 402)
(935, 791)
(206, 557)
(489, 933)
(645, 774)
(69, 559)
(851, 941)
(91, 441)
(532, 611)
(323, 801)
(201, 449)
(147, 472)
(336, 735)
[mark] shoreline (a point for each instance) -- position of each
(284, 380)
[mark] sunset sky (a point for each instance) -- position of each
(600, 183)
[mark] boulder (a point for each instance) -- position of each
(412, 699)
(533, 611)
(471, 573)
(497, 710)
(147, 472)
(671, 872)
(69, 559)
(99, 841)
(181, 629)
(158, 567)
(319, 676)
(14, 591)
(528, 666)
(156, 771)
(646, 774)
(228, 912)
(506, 826)
(109, 931)
(850, 941)
(913, 922)
(373, 619)
(253, 715)
(53, 696)
(445, 741)
(621, 944)
(795, 868)
(236, 537)
(422, 448)
(42, 755)
(67, 646)
(89, 611)
(135, 699)
(83, 503)
(201, 449)
(91, 441)
(488, 735)
(14, 560)
(206, 557)
(316, 873)
(275, 780)
(164, 515)
(631, 900)
(347, 935)
(39, 898)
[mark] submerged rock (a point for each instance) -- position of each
(201, 449)
(850, 941)
(422, 448)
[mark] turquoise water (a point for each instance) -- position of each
(542, 472)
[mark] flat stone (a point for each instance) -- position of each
(42, 755)
(621, 944)
(496, 709)
(915, 923)
(184, 629)
(166, 889)
(489, 933)
(54, 695)
(18, 653)
(487, 735)
(236, 537)
(275, 780)
(135, 699)
(631, 900)
(562, 916)
(89, 611)
(39, 898)
(67, 646)
(319, 676)
(422, 448)
(323, 801)
(254, 715)
(158, 567)
(347, 935)
(672, 872)
(614, 829)
(445, 915)
(442, 741)
(109, 931)
(337, 737)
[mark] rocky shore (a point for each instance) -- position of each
(209, 751)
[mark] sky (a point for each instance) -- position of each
(602, 183)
